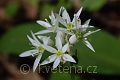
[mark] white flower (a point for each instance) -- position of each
(59, 54)
(53, 27)
(65, 19)
(82, 34)
(38, 49)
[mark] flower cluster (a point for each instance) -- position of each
(67, 32)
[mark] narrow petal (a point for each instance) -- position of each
(56, 63)
(52, 18)
(65, 48)
(37, 60)
(28, 53)
(34, 37)
(79, 12)
(50, 59)
(61, 20)
(44, 24)
(34, 43)
(61, 10)
(87, 43)
(43, 32)
(77, 15)
(50, 49)
(58, 41)
(64, 30)
(91, 32)
(66, 16)
(73, 39)
(46, 40)
(85, 25)
(67, 57)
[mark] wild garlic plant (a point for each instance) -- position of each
(67, 33)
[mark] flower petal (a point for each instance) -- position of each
(28, 53)
(87, 43)
(52, 18)
(79, 12)
(56, 63)
(50, 49)
(65, 15)
(37, 60)
(64, 30)
(67, 57)
(77, 15)
(50, 59)
(61, 20)
(34, 37)
(34, 43)
(43, 32)
(44, 24)
(58, 41)
(73, 39)
(65, 48)
(91, 32)
(85, 25)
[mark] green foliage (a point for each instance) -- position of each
(15, 40)
(93, 5)
(33, 2)
(11, 9)
(46, 8)
(64, 76)
(106, 57)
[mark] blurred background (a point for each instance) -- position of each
(18, 18)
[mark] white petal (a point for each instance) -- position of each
(86, 25)
(44, 24)
(58, 41)
(65, 31)
(79, 12)
(44, 39)
(87, 43)
(65, 48)
(50, 49)
(50, 59)
(34, 42)
(61, 10)
(67, 57)
(91, 32)
(37, 60)
(28, 53)
(34, 37)
(52, 18)
(61, 20)
(66, 16)
(73, 39)
(56, 63)
(43, 32)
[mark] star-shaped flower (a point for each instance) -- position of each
(65, 19)
(38, 48)
(59, 54)
(51, 27)
(81, 33)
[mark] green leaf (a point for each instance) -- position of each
(15, 40)
(93, 5)
(12, 8)
(106, 57)
(63, 76)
